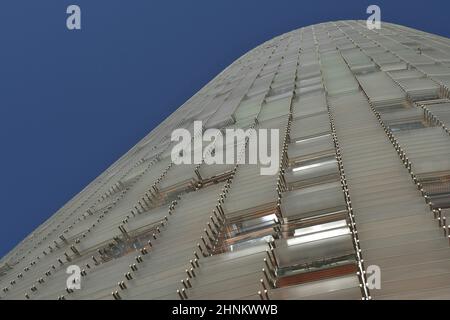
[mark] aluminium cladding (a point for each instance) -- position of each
(363, 117)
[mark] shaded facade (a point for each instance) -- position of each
(364, 181)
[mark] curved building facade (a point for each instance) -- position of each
(356, 210)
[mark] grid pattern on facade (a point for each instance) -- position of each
(364, 180)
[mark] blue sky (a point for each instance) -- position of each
(72, 102)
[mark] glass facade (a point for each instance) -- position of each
(364, 180)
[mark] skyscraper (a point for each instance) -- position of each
(357, 209)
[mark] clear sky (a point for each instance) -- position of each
(72, 102)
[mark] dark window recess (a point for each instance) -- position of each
(438, 189)
(246, 230)
(407, 126)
